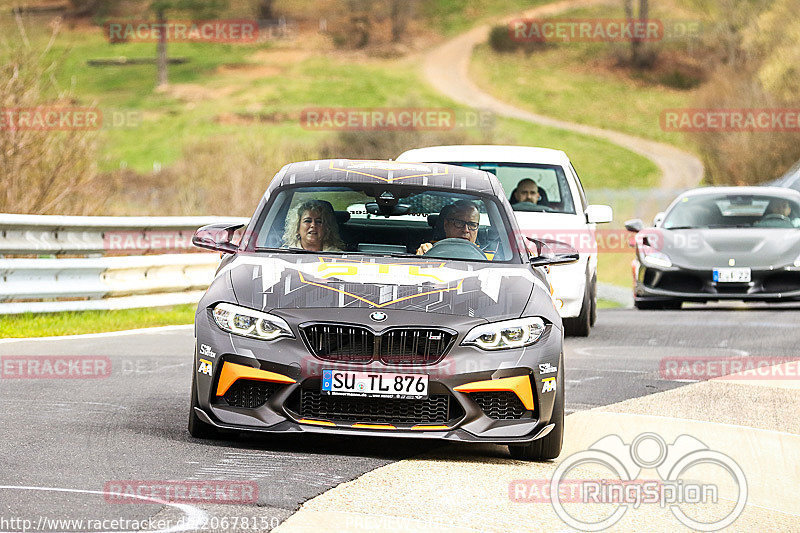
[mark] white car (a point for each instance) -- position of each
(561, 213)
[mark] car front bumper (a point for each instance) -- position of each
(474, 395)
(766, 284)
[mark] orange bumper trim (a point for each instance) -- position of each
(519, 385)
(232, 372)
(429, 428)
(373, 426)
(316, 422)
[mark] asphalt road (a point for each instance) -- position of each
(81, 434)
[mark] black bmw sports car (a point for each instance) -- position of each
(382, 298)
(720, 243)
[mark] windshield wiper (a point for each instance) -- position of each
(686, 227)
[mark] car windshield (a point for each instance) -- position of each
(385, 220)
(532, 187)
(733, 211)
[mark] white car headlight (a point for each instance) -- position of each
(652, 257)
(507, 334)
(250, 323)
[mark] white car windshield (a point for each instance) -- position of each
(532, 187)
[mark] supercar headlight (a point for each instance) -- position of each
(652, 257)
(507, 334)
(250, 323)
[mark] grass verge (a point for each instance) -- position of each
(78, 322)
(581, 82)
(607, 304)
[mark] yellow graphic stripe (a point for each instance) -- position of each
(388, 180)
(322, 286)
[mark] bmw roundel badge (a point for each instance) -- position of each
(378, 316)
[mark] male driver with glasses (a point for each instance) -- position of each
(461, 221)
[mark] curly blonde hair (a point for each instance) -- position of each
(331, 241)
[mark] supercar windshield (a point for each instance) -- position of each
(733, 211)
(384, 220)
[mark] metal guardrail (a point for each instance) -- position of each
(46, 284)
(55, 234)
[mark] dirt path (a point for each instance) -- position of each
(446, 69)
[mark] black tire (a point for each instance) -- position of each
(645, 305)
(549, 446)
(197, 428)
(593, 313)
(580, 325)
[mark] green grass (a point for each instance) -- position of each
(453, 16)
(599, 163)
(174, 120)
(607, 304)
(73, 323)
(578, 82)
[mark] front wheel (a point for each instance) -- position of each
(580, 325)
(549, 446)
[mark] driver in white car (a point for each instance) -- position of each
(461, 221)
(526, 191)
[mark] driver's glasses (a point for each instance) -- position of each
(459, 224)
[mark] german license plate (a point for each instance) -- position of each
(348, 383)
(732, 275)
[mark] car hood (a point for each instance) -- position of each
(286, 281)
(716, 247)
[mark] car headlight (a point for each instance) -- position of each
(250, 323)
(652, 257)
(507, 334)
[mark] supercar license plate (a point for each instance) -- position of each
(374, 384)
(732, 275)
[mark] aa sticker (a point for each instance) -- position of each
(205, 367)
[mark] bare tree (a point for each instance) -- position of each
(639, 57)
(43, 170)
(198, 9)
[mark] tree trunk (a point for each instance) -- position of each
(161, 60)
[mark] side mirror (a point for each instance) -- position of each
(550, 252)
(599, 214)
(635, 225)
(658, 219)
(217, 237)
